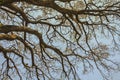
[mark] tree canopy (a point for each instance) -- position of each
(56, 39)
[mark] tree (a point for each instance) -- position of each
(50, 39)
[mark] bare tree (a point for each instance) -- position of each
(50, 39)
